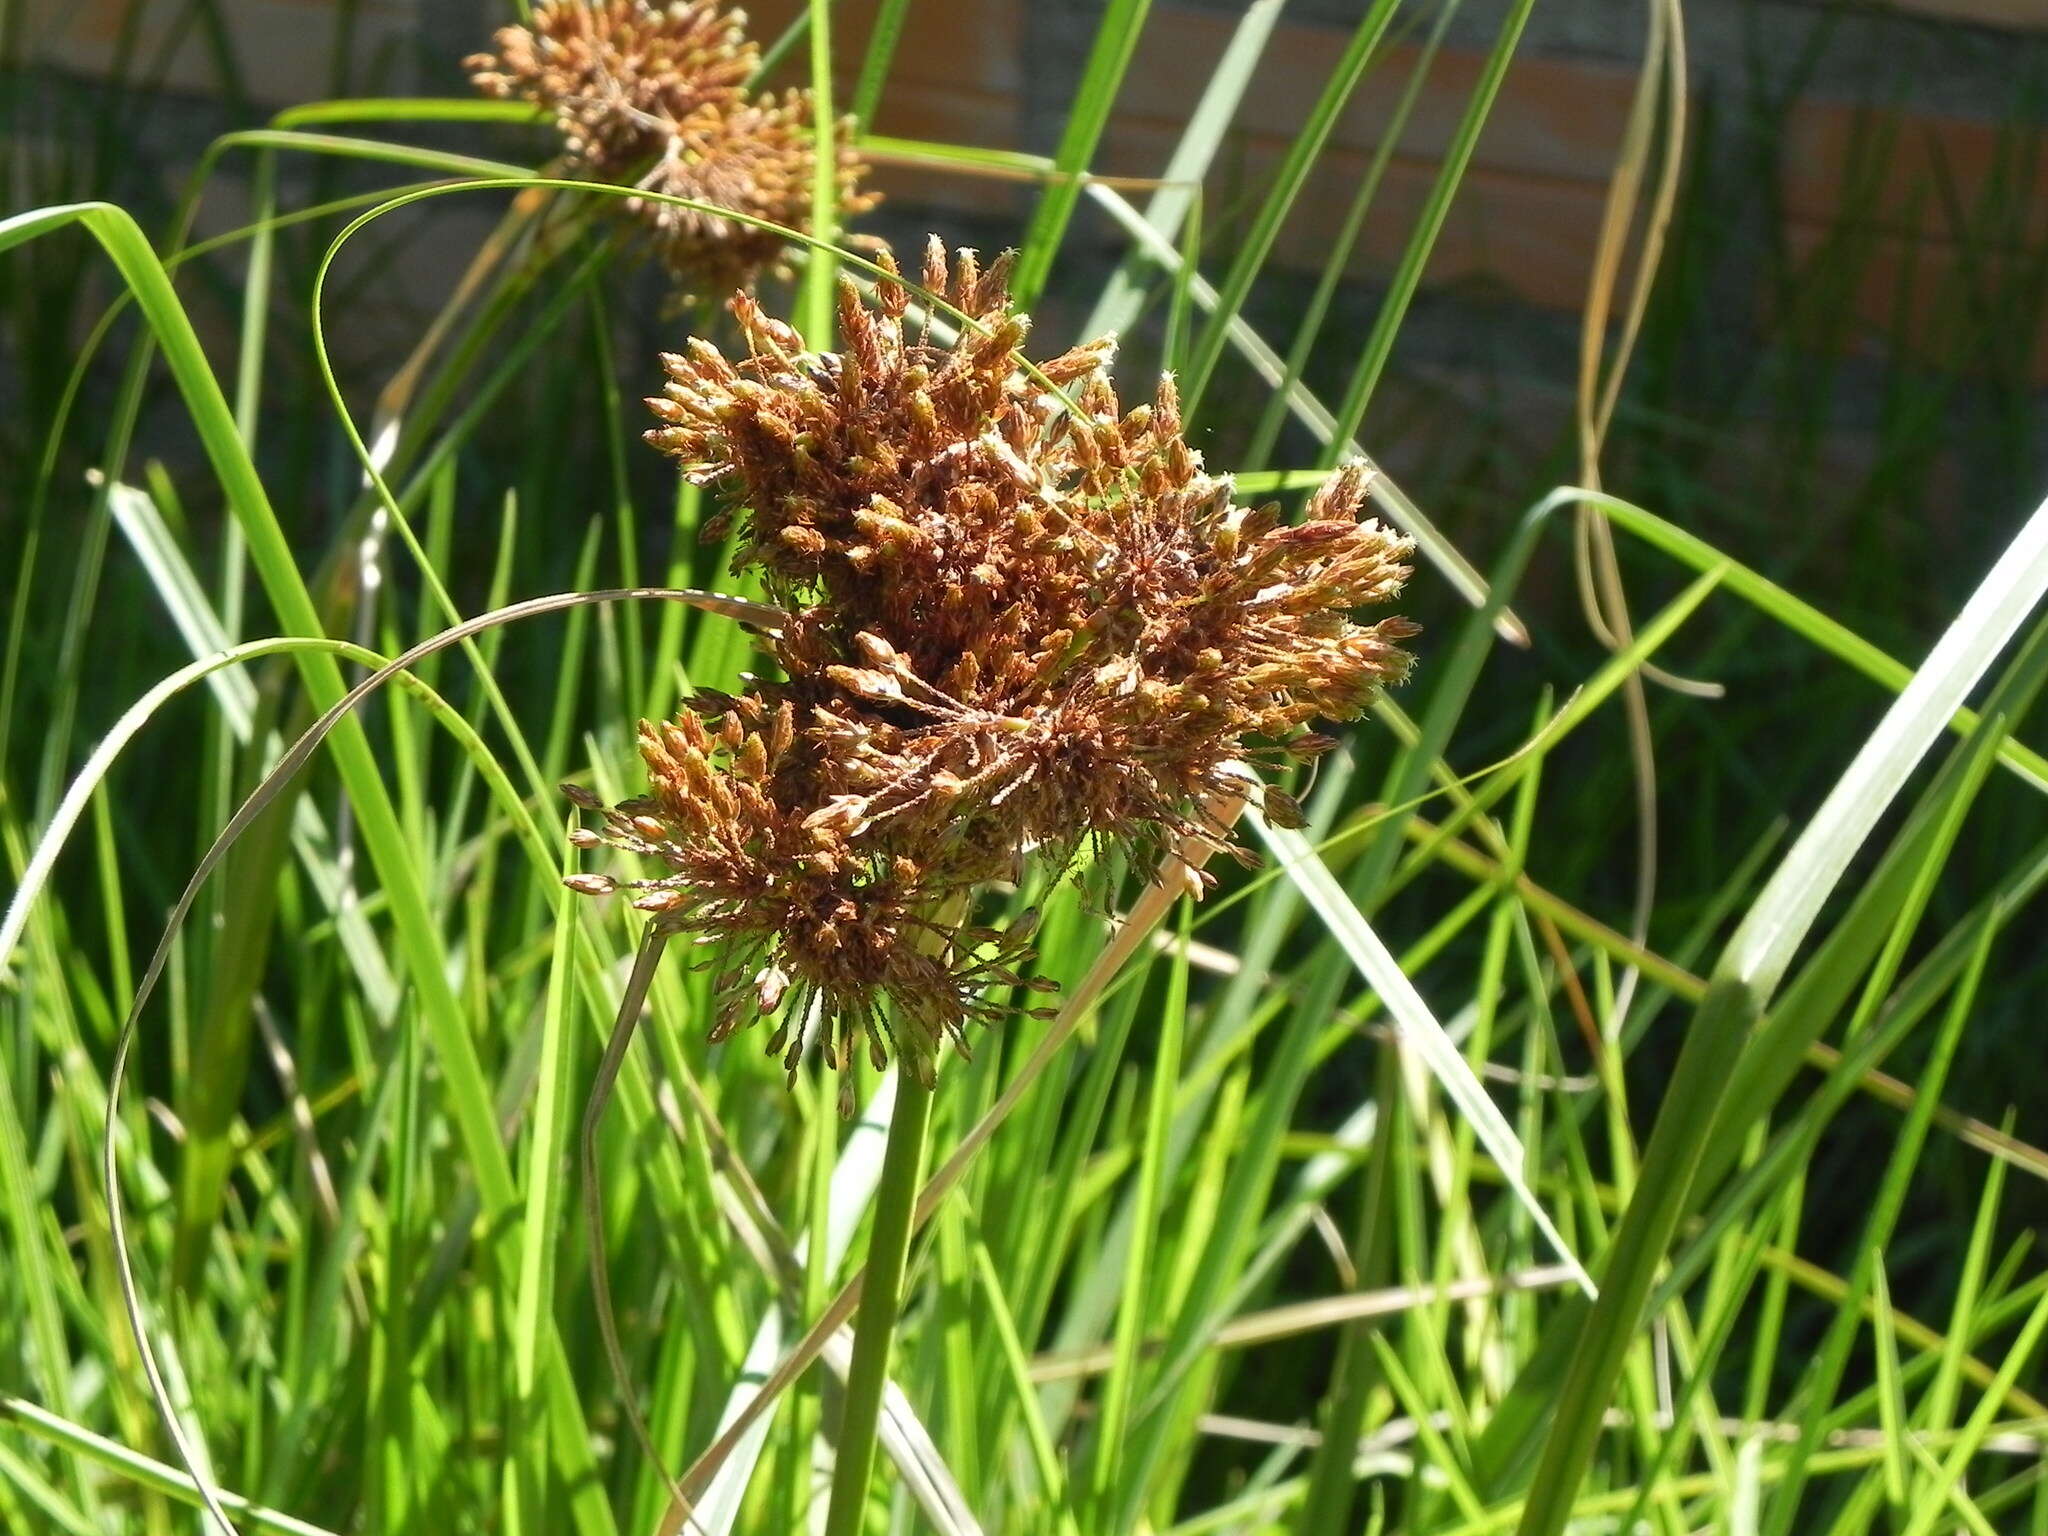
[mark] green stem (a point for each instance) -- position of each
(875, 1326)
(820, 270)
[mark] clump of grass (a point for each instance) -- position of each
(1152, 1218)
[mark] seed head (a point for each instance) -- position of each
(806, 925)
(1018, 618)
(620, 76)
(655, 97)
(1030, 616)
(755, 158)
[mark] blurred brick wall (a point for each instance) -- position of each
(280, 51)
(1947, 77)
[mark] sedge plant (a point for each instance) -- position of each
(1017, 624)
(1011, 666)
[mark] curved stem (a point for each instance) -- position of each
(875, 1325)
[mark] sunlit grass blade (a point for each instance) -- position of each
(1742, 982)
(1947, 1477)
(142, 1470)
(1407, 277)
(1122, 297)
(1302, 153)
(1823, 1378)
(1116, 40)
(1419, 1027)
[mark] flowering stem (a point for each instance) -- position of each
(875, 1325)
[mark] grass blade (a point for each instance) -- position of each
(1116, 39)
(1750, 967)
(1419, 1027)
(1122, 297)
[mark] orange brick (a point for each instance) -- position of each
(1891, 168)
(967, 44)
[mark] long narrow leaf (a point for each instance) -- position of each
(1418, 1025)
(1750, 968)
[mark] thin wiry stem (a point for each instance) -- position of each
(645, 962)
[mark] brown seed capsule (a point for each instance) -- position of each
(1282, 810)
(1310, 745)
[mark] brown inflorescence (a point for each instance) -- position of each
(620, 75)
(656, 97)
(806, 923)
(1019, 619)
(754, 159)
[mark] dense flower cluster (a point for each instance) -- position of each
(655, 97)
(1017, 619)
(807, 925)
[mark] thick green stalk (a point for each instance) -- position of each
(875, 1326)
